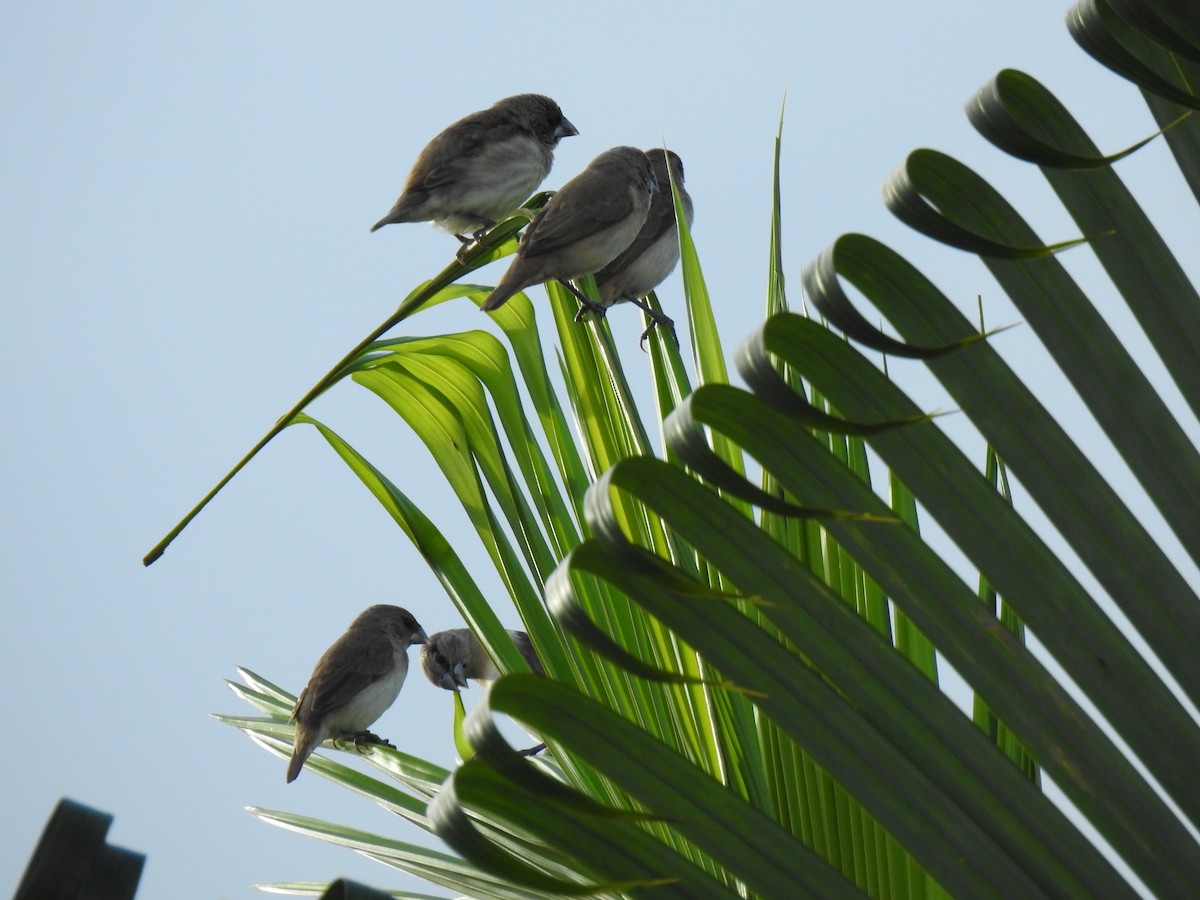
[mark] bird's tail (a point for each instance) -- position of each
(305, 744)
(401, 212)
(499, 296)
(495, 300)
(295, 765)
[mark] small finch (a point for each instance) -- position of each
(450, 657)
(583, 228)
(481, 168)
(354, 682)
(654, 253)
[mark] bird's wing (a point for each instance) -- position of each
(525, 646)
(577, 215)
(457, 146)
(343, 680)
(660, 218)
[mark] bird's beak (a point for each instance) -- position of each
(565, 129)
(459, 678)
(419, 636)
(446, 682)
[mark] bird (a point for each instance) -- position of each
(654, 253)
(452, 656)
(478, 170)
(586, 224)
(354, 682)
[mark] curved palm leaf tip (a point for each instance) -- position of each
(354, 682)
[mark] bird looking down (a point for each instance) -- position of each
(450, 657)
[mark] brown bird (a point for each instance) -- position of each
(482, 167)
(450, 657)
(654, 253)
(591, 219)
(354, 682)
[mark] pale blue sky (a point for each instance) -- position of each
(185, 251)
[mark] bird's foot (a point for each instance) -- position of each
(656, 319)
(475, 241)
(468, 245)
(369, 737)
(595, 309)
(533, 751)
(587, 304)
